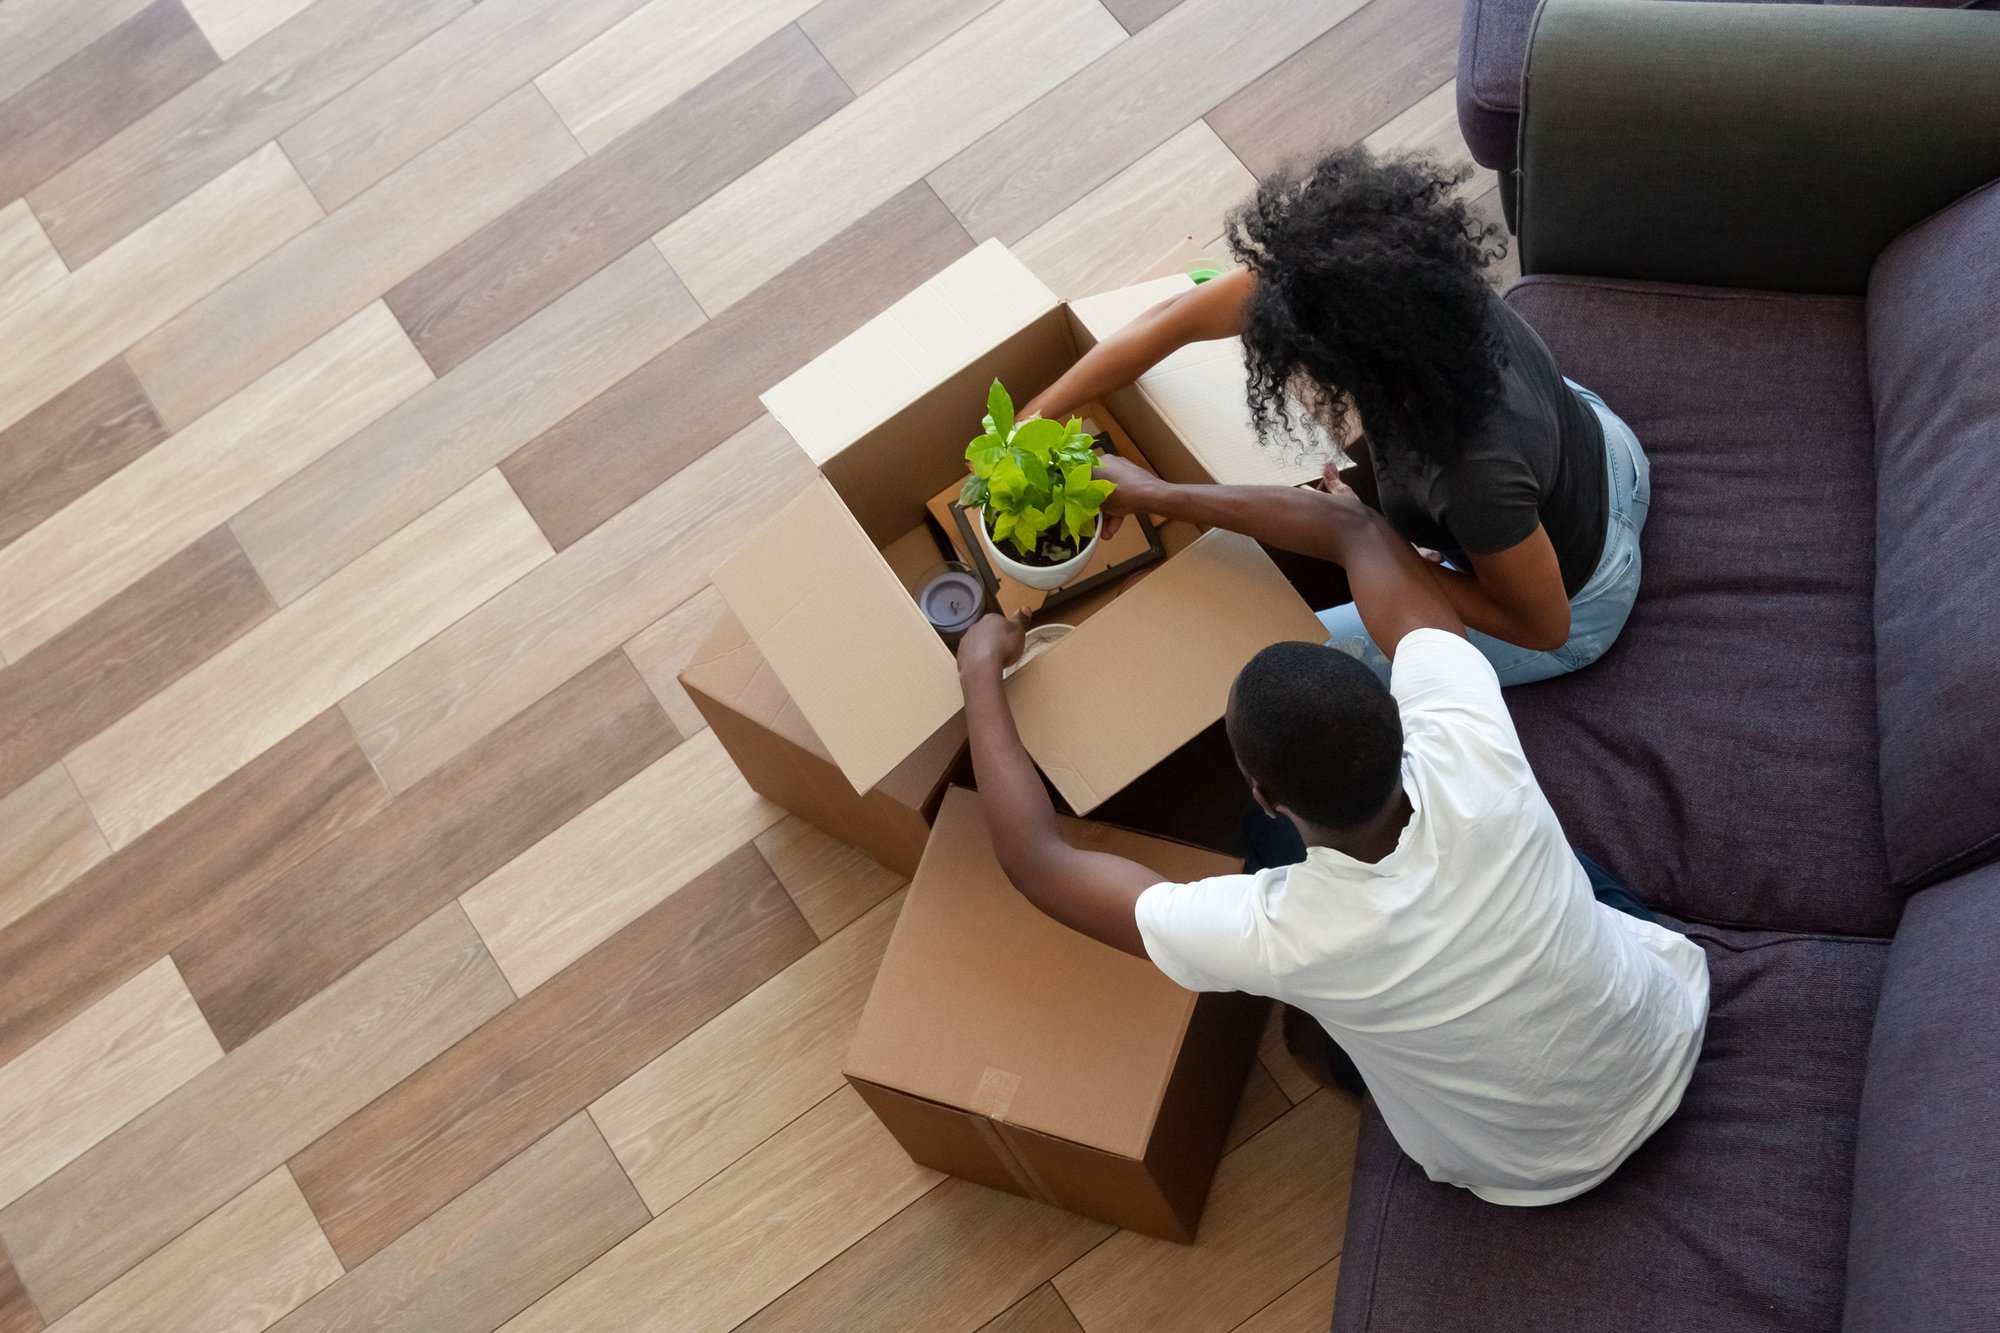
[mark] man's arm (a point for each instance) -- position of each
(1090, 892)
(1394, 588)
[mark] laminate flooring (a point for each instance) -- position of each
(385, 942)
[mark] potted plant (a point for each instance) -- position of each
(1033, 500)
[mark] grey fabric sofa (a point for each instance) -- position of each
(1493, 45)
(1793, 750)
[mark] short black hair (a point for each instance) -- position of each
(1318, 732)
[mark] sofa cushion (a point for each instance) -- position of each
(1922, 1252)
(1731, 1219)
(1721, 757)
(1934, 364)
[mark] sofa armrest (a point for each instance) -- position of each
(1747, 145)
(1926, 1209)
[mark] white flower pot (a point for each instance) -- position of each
(1045, 577)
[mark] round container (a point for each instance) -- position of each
(1044, 577)
(953, 600)
(1040, 639)
(1205, 269)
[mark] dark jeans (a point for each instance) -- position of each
(1274, 842)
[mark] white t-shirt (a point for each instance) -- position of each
(1519, 1037)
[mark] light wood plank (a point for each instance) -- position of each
(188, 141)
(248, 1263)
(1263, 1101)
(117, 918)
(1274, 1215)
(959, 1256)
(70, 443)
(752, 1070)
(1133, 100)
(656, 54)
(1306, 1308)
(96, 1072)
(494, 1249)
(1040, 1311)
(868, 40)
(68, 329)
(441, 1130)
(307, 927)
(78, 1231)
(706, 1264)
(212, 721)
(661, 649)
(461, 685)
(38, 35)
(47, 839)
(611, 452)
(1382, 60)
(831, 882)
(1149, 220)
(232, 25)
(860, 156)
(552, 904)
(1429, 125)
(28, 262)
(389, 473)
(97, 92)
(357, 253)
(1278, 1062)
(17, 1312)
(436, 86)
(111, 537)
(616, 199)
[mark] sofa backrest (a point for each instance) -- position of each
(1933, 329)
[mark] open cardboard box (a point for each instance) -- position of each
(885, 415)
(1002, 1047)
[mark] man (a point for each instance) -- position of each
(1520, 1037)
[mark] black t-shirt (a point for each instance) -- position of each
(1537, 458)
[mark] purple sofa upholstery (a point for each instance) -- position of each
(1793, 737)
(1492, 48)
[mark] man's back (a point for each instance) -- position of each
(1519, 1038)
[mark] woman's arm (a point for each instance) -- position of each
(1516, 594)
(1212, 310)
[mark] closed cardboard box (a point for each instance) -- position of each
(1002, 1047)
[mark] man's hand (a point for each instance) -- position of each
(993, 643)
(1137, 491)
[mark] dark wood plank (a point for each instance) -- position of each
(120, 916)
(219, 120)
(125, 652)
(704, 388)
(70, 443)
(98, 92)
(17, 1313)
(1136, 14)
(494, 1250)
(1040, 1311)
(575, 225)
(543, 1059)
(955, 1258)
(309, 926)
(868, 40)
(1354, 78)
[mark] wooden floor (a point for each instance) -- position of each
(384, 943)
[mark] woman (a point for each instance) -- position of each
(1362, 295)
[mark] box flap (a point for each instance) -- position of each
(1198, 392)
(893, 359)
(850, 647)
(985, 1004)
(1141, 677)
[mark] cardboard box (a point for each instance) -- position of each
(1002, 1047)
(781, 757)
(885, 415)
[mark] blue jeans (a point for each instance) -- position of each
(1598, 610)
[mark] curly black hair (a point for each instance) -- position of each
(1370, 299)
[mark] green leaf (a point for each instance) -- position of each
(1038, 437)
(1077, 478)
(1007, 482)
(1003, 526)
(1076, 518)
(1000, 408)
(1037, 473)
(972, 495)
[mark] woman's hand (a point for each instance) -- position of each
(1135, 491)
